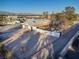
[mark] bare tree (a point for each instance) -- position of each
(56, 23)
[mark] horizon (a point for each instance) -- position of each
(37, 6)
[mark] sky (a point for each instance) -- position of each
(37, 6)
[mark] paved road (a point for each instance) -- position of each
(8, 31)
(25, 44)
(15, 36)
(30, 41)
(7, 27)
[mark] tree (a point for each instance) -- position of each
(70, 9)
(6, 54)
(2, 50)
(45, 14)
(70, 13)
(56, 23)
(3, 19)
(21, 19)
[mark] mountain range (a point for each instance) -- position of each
(11, 13)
